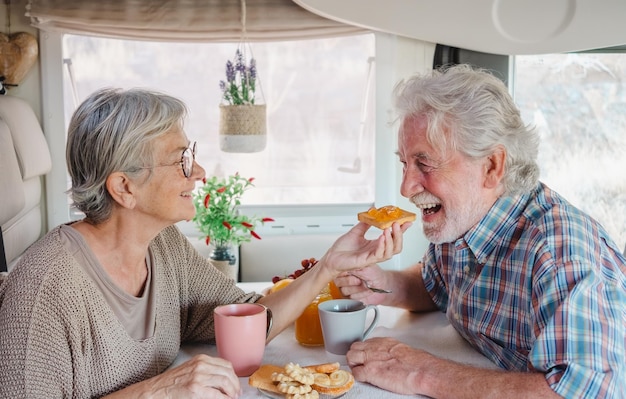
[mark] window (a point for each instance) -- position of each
(319, 99)
(578, 103)
(329, 64)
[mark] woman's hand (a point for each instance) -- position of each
(353, 250)
(200, 377)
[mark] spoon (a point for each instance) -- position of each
(373, 289)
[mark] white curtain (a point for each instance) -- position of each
(184, 20)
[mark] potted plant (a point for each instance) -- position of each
(218, 218)
(242, 121)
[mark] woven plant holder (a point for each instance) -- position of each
(243, 128)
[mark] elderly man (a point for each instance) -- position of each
(530, 281)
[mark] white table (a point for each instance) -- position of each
(429, 331)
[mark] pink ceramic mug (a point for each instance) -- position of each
(241, 330)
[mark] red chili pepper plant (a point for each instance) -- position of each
(218, 218)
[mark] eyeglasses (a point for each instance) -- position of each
(186, 161)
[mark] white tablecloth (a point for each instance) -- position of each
(430, 331)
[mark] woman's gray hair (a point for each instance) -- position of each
(112, 131)
(470, 110)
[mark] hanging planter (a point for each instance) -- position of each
(243, 126)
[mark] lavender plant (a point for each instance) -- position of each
(240, 85)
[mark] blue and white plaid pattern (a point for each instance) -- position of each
(538, 285)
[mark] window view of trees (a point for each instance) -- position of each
(578, 103)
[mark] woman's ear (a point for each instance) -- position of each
(121, 189)
(495, 167)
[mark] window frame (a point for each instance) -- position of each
(396, 57)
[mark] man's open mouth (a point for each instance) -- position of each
(429, 209)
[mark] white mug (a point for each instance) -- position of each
(343, 322)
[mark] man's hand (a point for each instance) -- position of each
(354, 288)
(397, 367)
(388, 364)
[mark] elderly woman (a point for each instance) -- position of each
(101, 306)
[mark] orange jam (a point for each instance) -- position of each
(385, 213)
(335, 292)
(308, 327)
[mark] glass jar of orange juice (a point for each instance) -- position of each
(308, 327)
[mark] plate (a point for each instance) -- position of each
(276, 395)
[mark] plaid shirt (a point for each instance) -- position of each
(538, 285)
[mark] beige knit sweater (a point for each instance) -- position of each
(60, 339)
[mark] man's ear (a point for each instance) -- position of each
(495, 167)
(121, 189)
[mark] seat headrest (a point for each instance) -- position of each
(31, 148)
(12, 199)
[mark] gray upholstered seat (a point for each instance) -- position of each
(24, 160)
